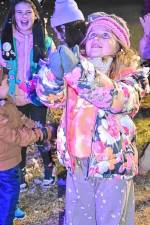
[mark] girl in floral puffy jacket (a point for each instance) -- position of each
(96, 137)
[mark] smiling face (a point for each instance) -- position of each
(101, 42)
(24, 17)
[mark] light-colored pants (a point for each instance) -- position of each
(96, 201)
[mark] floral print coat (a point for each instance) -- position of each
(96, 123)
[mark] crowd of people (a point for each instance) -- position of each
(95, 77)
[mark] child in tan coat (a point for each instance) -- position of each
(16, 131)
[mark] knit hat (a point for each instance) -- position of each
(115, 23)
(66, 11)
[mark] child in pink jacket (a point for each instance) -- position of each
(96, 136)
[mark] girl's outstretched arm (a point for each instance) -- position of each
(120, 96)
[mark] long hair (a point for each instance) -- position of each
(38, 30)
(125, 58)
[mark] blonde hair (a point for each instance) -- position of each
(124, 59)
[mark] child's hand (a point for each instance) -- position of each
(145, 22)
(62, 61)
(68, 59)
(44, 133)
(28, 122)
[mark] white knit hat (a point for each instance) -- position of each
(66, 11)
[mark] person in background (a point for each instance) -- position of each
(70, 30)
(69, 27)
(16, 131)
(23, 42)
(96, 136)
(144, 45)
(146, 7)
(144, 49)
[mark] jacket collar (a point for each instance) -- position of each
(21, 36)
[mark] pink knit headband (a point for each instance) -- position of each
(116, 24)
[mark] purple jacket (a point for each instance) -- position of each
(145, 47)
